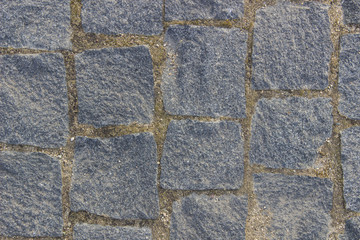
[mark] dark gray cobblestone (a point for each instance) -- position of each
(352, 229)
(351, 11)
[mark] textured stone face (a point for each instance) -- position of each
(349, 76)
(202, 155)
(205, 70)
(350, 157)
(35, 24)
(30, 193)
(352, 229)
(33, 100)
(202, 217)
(122, 16)
(198, 9)
(292, 47)
(351, 10)
(299, 206)
(116, 177)
(286, 133)
(97, 232)
(115, 86)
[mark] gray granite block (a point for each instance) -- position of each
(292, 46)
(203, 217)
(122, 16)
(35, 24)
(287, 133)
(116, 177)
(352, 229)
(349, 76)
(205, 70)
(199, 9)
(97, 232)
(350, 157)
(298, 206)
(30, 193)
(351, 11)
(202, 155)
(33, 100)
(115, 86)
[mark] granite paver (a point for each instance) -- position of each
(97, 232)
(351, 11)
(349, 76)
(116, 177)
(30, 193)
(292, 46)
(199, 9)
(33, 100)
(122, 16)
(35, 24)
(202, 155)
(299, 206)
(202, 217)
(115, 86)
(286, 133)
(352, 229)
(205, 70)
(350, 157)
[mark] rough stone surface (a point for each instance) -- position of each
(122, 16)
(116, 177)
(30, 193)
(205, 70)
(299, 206)
(115, 86)
(350, 157)
(202, 217)
(349, 76)
(35, 24)
(351, 11)
(97, 232)
(202, 155)
(352, 229)
(33, 100)
(286, 133)
(199, 9)
(292, 46)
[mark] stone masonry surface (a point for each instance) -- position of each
(352, 229)
(351, 9)
(30, 193)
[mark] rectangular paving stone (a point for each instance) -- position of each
(292, 46)
(349, 76)
(202, 217)
(202, 155)
(30, 193)
(116, 177)
(97, 232)
(351, 11)
(33, 100)
(205, 70)
(122, 16)
(299, 206)
(352, 229)
(287, 133)
(199, 9)
(115, 86)
(350, 157)
(35, 24)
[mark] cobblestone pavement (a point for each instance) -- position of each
(179, 119)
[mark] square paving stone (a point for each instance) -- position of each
(122, 16)
(351, 11)
(116, 177)
(205, 70)
(203, 217)
(299, 206)
(287, 133)
(202, 155)
(292, 46)
(33, 100)
(115, 86)
(35, 24)
(199, 9)
(349, 76)
(30, 193)
(350, 157)
(352, 229)
(97, 232)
